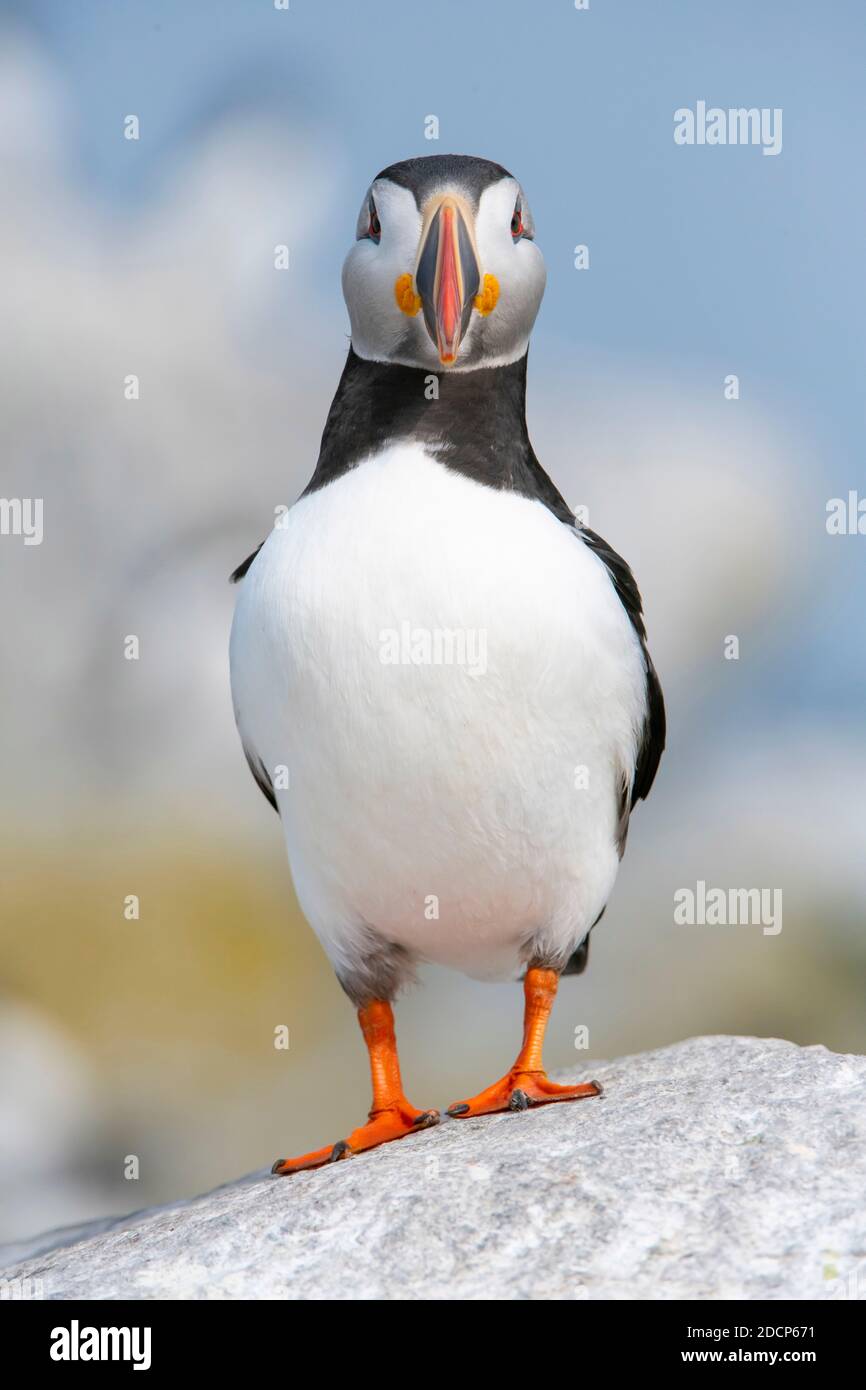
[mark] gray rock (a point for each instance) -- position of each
(717, 1168)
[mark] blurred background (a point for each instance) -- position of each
(154, 1038)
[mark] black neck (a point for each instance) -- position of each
(475, 424)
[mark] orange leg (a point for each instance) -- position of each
(391, 1116)
(526, 1083)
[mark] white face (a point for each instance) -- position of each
(445, 287)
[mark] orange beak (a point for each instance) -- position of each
(447, 277)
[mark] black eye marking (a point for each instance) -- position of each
(521, 227)
(374, 228)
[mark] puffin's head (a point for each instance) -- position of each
(444, 271)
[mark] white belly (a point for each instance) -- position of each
(458, 794)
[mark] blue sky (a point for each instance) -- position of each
(697, 253)
(703, 261)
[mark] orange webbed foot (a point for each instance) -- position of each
(527, 1083)
(519, 1090)
(383, 1126)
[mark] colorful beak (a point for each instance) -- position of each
(447, 278)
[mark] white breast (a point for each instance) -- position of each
(454, 688)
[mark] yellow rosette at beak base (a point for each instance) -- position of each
(486, 301)
(408, 302)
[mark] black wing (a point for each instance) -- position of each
(242, 568)
(256, 766)
(653, 737)
(260, 772)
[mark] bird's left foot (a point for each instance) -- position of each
(519, 1090)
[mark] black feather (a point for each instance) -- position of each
(244, 566)
(260, 773)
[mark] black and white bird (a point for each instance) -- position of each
(441, 680)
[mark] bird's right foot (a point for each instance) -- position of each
(395, 1121)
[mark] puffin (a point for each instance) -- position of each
(440, 677)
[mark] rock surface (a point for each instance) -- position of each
(717, 1168)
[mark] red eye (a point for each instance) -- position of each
(517, 222)
(374, 231)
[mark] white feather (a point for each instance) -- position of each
(441, 805)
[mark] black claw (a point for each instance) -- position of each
(340, 1148)
(519, 1100)
(458, 1109)
(427, 1117)
(278, 1165)
(598, 1086)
